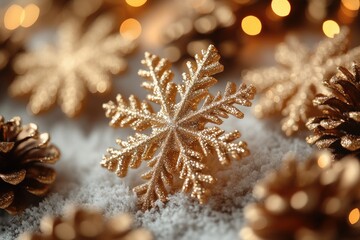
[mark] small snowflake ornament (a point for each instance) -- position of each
(290, 88)
(180, 149)
(78, 64)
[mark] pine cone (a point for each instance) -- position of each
(315, 200)
(338, 129)
(23, 155)
(81, 224)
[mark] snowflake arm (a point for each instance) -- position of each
(265, 78)
(345, 59)
(158, 177)
(192, 169)
(274, 99)
(332, 47)
(133, 113)
(298, 110)
(71, 94)
(198, 80)
(290, 53)
(133, 151)
(213, 141)
(215, 108)
(159, 82)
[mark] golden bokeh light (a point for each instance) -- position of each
(136, 3)
(324, 160)
(354, 216)
(130, 29)
(251, 25)
(31, 13)
(281, 8)
(13, 17)
(352, 5)
(330, 28)
(16, 16)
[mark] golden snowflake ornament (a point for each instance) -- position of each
(181, 149)
(290, 88)
(79, 63)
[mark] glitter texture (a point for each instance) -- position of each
(338, 128)
(289, 89)
(180, 147)
(76, 65)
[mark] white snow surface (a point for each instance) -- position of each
(81, 179)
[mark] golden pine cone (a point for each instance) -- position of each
(81, 224)
(338, 129)
(23, 155)
(313, 200)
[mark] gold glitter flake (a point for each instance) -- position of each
(78, 64)
(289, 89)
(180, 148)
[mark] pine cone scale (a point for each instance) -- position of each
(5, 147)
(14, 178)
(327, 142)
(6, 198)
(351, 143)
(331, 123)
(36, 188)
(41, 174)
(49, 155)
(354, 115)
(336, 104)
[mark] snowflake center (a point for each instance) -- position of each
(67, 64)
(309, 73)
(173, 125)
(71, 61)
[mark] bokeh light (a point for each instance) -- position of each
(281, 8)
(330, 28)
(352, 5)
(136, 3)
(354, 216)
(31, 13)
(16, 16)
(324, 160)
(130, 29)
(251, 25)
(12, 17)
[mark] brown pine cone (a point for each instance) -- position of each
(23, 155)
(338, 129)
(313, 200)
(81, 224)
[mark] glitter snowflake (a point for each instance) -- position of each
(180, 149)
(289, 89)
(79, 63)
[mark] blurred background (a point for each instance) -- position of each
(245, 32)
(179, 28)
